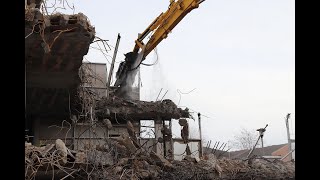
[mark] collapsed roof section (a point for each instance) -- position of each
(116, 108)
(54, 49)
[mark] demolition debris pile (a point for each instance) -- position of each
(212, 168)
(124, 158)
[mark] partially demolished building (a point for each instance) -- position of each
(60, 88)
(74, 132)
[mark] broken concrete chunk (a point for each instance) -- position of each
(65, 17)
(62, 150)
(46, 47)
(118, 169)
(138, 164)
(144, 174)
(107, 123)
(123, 161)
(38, 16)
(80, 157)
(132, 134)
(145, 164)
(47, 149)
(100, 158)
(153, 170)
(197, 159)
(185, 133)
(183, 122)
(47, 22)
(213, 163)
(29, 16)
(131, 131)
(126, 141)
(32, 5)
(121, 149)
(160, 160)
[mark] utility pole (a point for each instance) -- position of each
(262, 148)
(112, 65)
(288, 134)
(201, 149)
(261, 133)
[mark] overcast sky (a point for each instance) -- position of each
(238, 57)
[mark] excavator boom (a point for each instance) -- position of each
(160, 28)
(164, 23)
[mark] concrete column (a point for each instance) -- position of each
(157, 129)
(171, 141)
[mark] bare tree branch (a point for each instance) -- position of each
(245, 139)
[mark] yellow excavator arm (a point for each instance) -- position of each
(164, 23)
(160, 27)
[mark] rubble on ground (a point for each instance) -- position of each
(119, 158)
